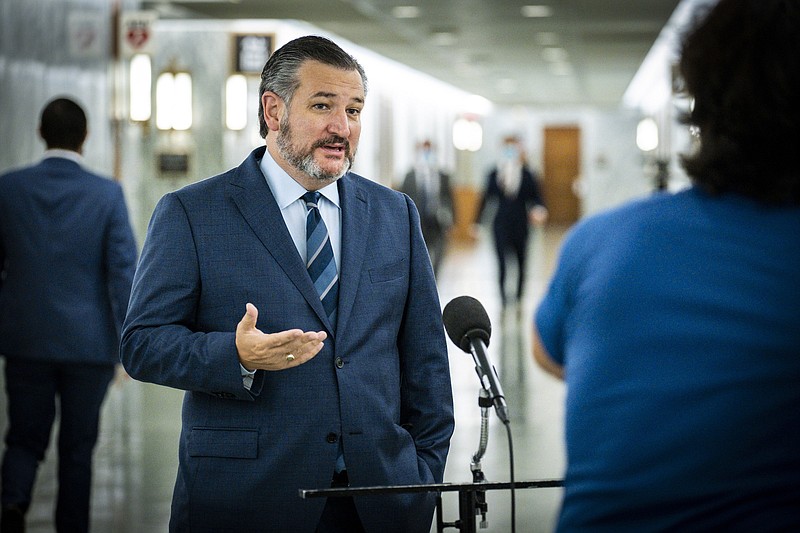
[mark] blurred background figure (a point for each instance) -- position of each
(67, 258)
(514, 188)
(429, 188)
(675, 319)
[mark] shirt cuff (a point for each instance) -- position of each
(247, 377)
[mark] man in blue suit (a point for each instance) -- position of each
(67, 258)
(291, 382)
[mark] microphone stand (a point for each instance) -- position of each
(478, 503)
(471, 496)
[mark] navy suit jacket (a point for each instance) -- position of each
(67, 258)
(381, 382)
(511, 218)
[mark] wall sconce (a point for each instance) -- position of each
(467, 135)
(174, 101)
(647, 135)
(236, 102)
(140, 85)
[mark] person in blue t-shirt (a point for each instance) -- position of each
(675, 320)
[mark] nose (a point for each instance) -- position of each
(339, 124)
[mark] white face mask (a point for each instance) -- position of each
(425, 156)
(510, 153)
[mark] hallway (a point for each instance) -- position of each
(136, 456)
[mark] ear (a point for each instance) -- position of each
(274, 107)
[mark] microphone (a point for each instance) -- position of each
(468, 326)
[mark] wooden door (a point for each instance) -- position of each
(562, 156)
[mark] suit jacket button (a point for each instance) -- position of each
(339, 362)
(332, 437)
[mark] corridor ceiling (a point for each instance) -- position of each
(543, 54)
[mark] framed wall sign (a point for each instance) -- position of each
(251, 51)
(173, 163)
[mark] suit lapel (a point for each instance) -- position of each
(249, 191)
(354, 242)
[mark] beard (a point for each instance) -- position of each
(304, 160)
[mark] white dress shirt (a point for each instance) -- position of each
(63, 154)
(288, 195)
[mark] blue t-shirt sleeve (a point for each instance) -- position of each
(549, 319)
(554, 309)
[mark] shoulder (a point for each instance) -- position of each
(246, 175)
(101, 180)
(202, 187)
(17, 173)
(635, 220)
(207, 190)
(634, 210)
(371, 190)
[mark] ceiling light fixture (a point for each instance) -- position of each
(443, 38)
(236, 102)
(174, 100)
(647, 135)
(536, 11)
(405, 12)
(140, 86)
(467, 135)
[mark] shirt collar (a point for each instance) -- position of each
(63, 154)
(285, 189)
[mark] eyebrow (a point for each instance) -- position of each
(322, 94)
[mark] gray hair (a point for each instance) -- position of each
(280, 72)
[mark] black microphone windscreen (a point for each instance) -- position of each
(465, 317)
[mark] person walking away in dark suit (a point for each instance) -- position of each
(429, 187)
(674, 319)
(514, 188)
(67, 258)
(294, 301)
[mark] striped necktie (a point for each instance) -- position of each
(319, 257)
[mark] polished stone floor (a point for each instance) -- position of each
(136, 456)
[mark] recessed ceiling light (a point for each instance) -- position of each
(405, 12)
(443, 37)
(536, 11)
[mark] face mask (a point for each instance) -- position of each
(510, 153)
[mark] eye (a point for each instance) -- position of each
(320, 107)
(354, 111)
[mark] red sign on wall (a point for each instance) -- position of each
(136, 32)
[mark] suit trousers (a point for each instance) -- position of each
(340, 514)
(32, 388)
(515, 242)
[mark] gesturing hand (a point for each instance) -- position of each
(270, 351)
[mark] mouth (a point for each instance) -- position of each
(334, 147)
(338, 149)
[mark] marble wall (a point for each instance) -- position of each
(55, 47)
(50, 48)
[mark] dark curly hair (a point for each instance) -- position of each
(740, 64)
